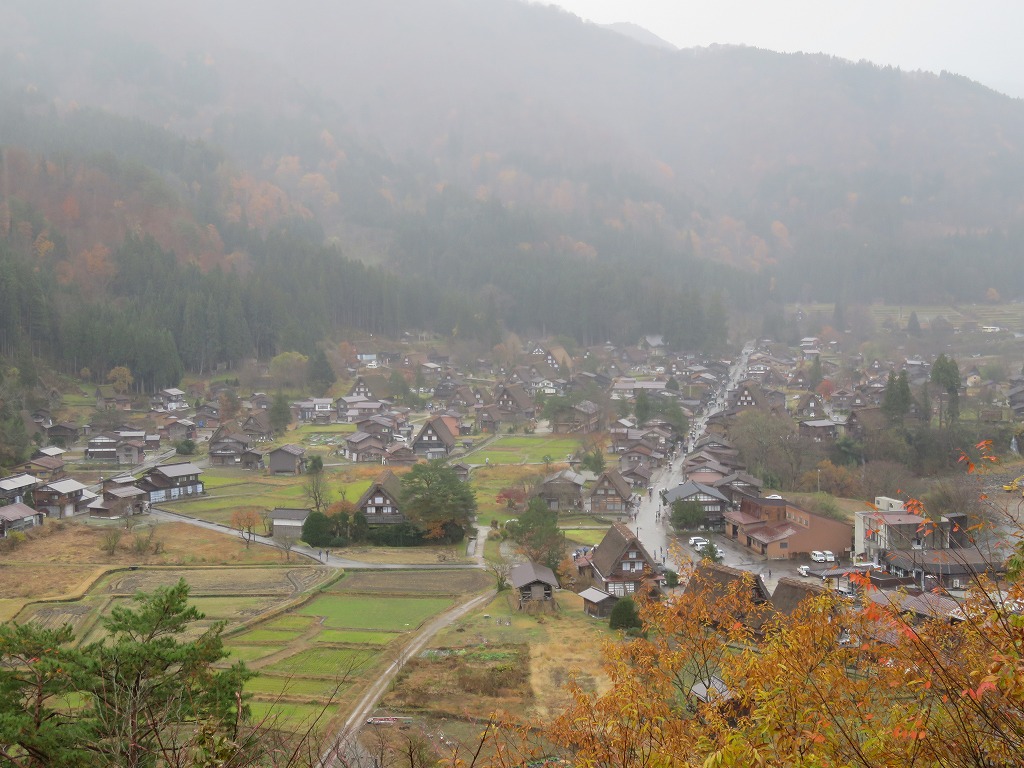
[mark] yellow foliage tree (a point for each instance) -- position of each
(121, 378)
(245, 520)
(722, 679)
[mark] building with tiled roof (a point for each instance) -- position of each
(778, 529)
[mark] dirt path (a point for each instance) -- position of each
(344, 749)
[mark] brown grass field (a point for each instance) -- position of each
(64, 558)
(217, 581)
(561, 646)
(439, 555)
(80, 542)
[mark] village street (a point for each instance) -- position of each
(651, 522)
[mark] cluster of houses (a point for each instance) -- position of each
(826, 413)
(40, 488)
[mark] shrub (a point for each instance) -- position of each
(185, 447)
(110, 540)
(624, 615)
(401, 535)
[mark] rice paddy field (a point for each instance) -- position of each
(314, 656)
(524, 449)
(313, 638)
(359, 612)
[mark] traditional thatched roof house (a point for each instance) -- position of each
(562, 491)
(381, 501)
(620, 565)
(611, 494)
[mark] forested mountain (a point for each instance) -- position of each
(467, 166)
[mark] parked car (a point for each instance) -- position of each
(698, 543)
(818, 557)
(829, 556)
(695, 539)
(804, 570)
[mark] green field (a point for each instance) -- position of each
(1010, 316)
(355, 637)
(285, 715)
(392, 613)
(302, 655)
(326, 663)
(588, 536)
(525, 449)
(411, 583)
(273, 636)
(288, 621)
(314, 688)
(246, 653)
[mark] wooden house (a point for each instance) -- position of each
(257, 426)
(45, 468)
(562, 491)
(62, 433)
(381, 501)
(597, 603)
(611, 494)
(287, 460)
(363, 447)
(18, 517)
(533, 583)
(286, 522)
(171, 481)
(711, 500)
(620, 565)
(118, 501)
(583, 417)
(436, 438)
(227, 448)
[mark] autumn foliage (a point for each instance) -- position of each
(723, 678)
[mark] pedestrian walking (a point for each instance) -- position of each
(769, 573)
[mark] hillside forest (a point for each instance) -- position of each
(178, 196)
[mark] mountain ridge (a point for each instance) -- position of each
(768, 162)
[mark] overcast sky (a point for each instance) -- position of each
(980, 39)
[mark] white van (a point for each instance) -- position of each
(829, 556)
(818, 557)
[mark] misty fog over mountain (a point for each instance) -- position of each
(544, 171)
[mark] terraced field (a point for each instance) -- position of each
(311, 655)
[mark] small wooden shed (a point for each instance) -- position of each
(533, 582)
